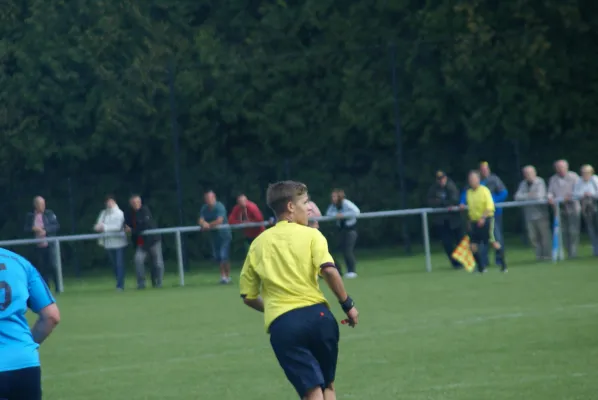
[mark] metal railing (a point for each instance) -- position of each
(177, 231)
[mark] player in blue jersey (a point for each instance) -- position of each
(22, 288)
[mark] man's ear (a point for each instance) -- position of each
(290, 206)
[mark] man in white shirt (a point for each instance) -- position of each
(112, 222)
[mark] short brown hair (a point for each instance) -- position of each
(474, 172)
(280, 193)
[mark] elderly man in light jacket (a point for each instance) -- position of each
(537, 217)
(111, 221)
(560, 187)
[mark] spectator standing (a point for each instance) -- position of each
(586, 189)
(140, 219)
(444, 193)
(537, 218)
(43, 223)
(211, 216)
(345, 211)
(499, 195)
(112, 222)
(481, 220)
(560, 187)
(247, 211)
(313, 212)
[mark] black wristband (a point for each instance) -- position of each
(347, 305)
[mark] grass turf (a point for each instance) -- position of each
(446, 335)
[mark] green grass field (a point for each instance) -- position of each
(531, 334)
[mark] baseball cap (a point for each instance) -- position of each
(440, 174)
(484, 164)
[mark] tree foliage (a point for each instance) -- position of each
(262, 90)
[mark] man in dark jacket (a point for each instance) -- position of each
(140, 219)
(444, 193)
(43, 223)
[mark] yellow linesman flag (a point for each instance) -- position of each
(464, 255)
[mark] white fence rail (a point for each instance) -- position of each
(177, 231)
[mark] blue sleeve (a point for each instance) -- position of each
(353, 209)
(500, 196)
(463, 199)
(331, 211)
(39, 293)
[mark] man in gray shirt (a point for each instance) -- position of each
(560, 187)
(536, 217)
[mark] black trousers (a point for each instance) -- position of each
(451, 237)
(348, 238)
(46, 265)
(21, 384)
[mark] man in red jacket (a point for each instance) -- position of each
(246, 211)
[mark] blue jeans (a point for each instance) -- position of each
(221, 249)
(117, 259)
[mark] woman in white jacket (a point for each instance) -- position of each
(111, 221)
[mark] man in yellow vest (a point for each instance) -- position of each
(481, 221)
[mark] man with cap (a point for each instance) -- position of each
(444, 193)
(499, 195)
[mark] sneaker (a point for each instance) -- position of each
(350, 275)
(224, 281)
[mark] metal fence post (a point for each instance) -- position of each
(58, 256)
(179, 257)
(426, 241)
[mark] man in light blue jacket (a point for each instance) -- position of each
(343, 208)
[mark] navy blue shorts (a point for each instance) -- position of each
(305, 342)
(21, 384)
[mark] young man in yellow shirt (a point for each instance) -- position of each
(280, 279)
(481, 220)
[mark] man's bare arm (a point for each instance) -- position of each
(256, 304)
(217, 221)
(335, 282)
(49, 317)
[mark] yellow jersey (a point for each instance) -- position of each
(282, 265)
(479, 201)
